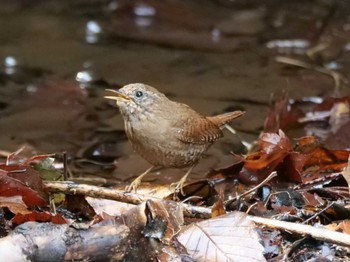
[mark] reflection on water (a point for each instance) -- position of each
(289, 46)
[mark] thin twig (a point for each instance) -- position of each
(250, 207)
(190, 211)
(272, 175)
(73, 188)
(318, 213)
(52, 204)
(338, 78)
(65, 166)
(322, 234)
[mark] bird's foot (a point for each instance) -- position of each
(133, 185)
(178, 186)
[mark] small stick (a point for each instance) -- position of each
(190, 211)
(65, 166)
(318, 213)
(338, 78)
(73, 188)
(272, 175)
(322, 234)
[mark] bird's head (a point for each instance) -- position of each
(135, 100)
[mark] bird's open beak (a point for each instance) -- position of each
(117, 95)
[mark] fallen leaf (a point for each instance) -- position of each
(273, 150)
(164, 220)
(344, 226)
(24, 181)
(312, 160)
(78, 205)
(107, 206)
(15, 204)
(38, 217)
(231, 237)
(218, 209)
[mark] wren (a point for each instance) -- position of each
(164, 132)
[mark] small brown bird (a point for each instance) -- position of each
(164, 132)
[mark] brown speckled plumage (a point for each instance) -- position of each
(164, 132)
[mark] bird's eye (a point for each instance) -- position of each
(139, 94)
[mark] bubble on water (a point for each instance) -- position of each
(113, 5)
(32, 88)
(10, 61)
(87, 76)
(84, 76)
(347, 47)
(93, 31)
(333, 65)
(216, 35)
(93, 27)
(142, 9)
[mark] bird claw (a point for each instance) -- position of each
(178, 186)
(133, 186)
(137, 181)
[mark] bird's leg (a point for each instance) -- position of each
(134, 184)
(179, 185)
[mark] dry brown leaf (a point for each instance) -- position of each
(15, 204)
(108, 206)
(343, 226)
(164, 220)
(231, 237)
(274, 148)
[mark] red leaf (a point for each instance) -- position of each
(273, 150)
(310, 160)
(38, 217)
(272, 142)
(23, 180)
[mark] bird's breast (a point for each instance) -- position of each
(158, 144)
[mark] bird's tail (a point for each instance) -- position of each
(225, 118)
